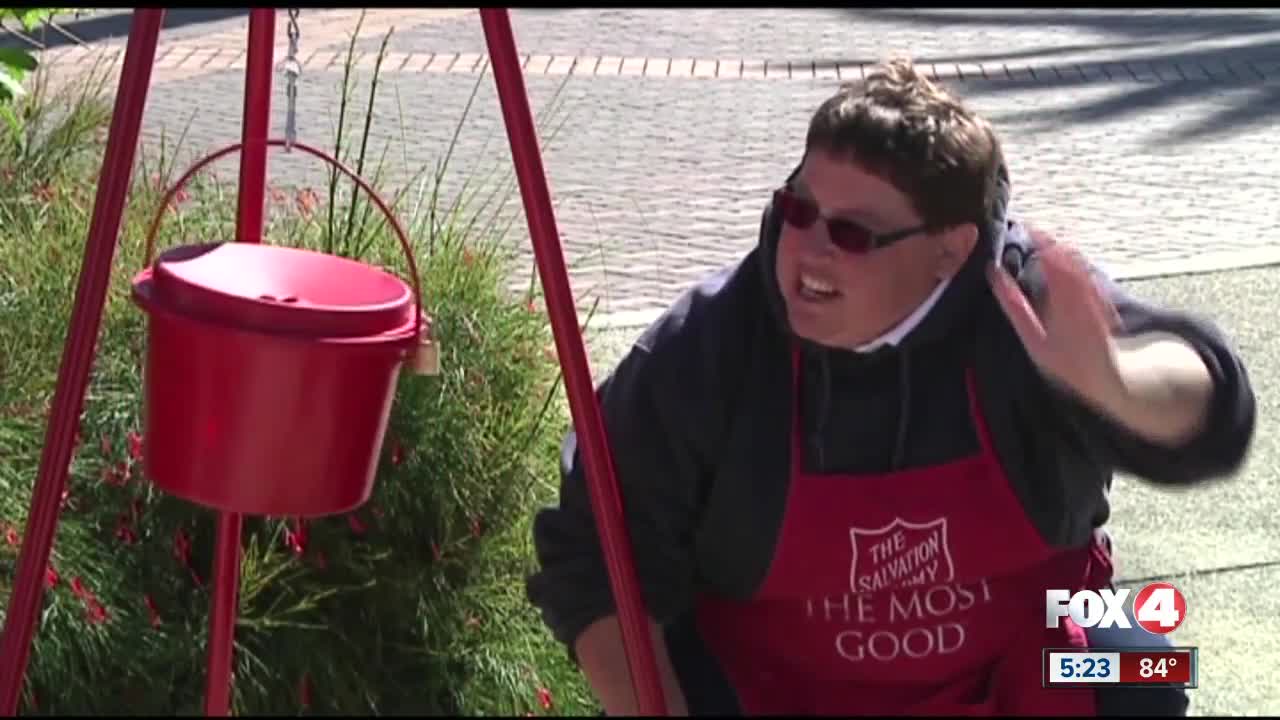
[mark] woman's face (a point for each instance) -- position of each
(843, 299)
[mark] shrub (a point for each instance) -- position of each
(15, 63)
(414, 604)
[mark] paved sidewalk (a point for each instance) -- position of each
(1143, 136)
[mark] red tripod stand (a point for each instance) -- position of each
(135, 80)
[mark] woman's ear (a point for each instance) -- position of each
(955, 245)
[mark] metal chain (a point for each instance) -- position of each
(292, 69)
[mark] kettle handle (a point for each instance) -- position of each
(396, 227)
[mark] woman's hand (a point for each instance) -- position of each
(1070, 338)
(1154, 384)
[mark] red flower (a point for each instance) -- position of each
(295, 538)
(182, 546)
(397, 452)
(11, 537)
(307, 200)
(544, 698)
(95, 613)
(477, 526)
(178, 198)
(304, 690)
(135, 446)
(357, 526)
(124, 533)
(50, 578)
(45, 193)
(152, 611)
(117, 476)
(436, 552)
(62, 501)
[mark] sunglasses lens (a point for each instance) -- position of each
(796, 211)
(850, 237)
(799, 212)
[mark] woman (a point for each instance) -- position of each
(853, 463)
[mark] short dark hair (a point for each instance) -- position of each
(910, 131)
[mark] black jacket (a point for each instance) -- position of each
(699, 416)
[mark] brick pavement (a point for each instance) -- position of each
(863, 34)
(1141, 135)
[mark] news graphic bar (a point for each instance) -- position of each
(1172, 666)
(1120, 667)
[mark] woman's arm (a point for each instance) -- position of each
(600, 653)
(1180, 407)
(663, 408)
(1163, 389)
(658, 475)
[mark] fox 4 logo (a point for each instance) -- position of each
(1159, 608)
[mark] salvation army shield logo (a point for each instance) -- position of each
(900, 554)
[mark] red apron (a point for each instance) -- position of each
(919, 591)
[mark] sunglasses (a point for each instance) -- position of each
(847, 235)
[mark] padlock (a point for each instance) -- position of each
(426, 357)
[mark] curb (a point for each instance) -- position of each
(214, 58)
(1202, 264)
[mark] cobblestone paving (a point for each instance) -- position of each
(1143, 136)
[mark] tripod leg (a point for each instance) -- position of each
(222, 618)
(249, 216)
(606, 501)
(77, 353)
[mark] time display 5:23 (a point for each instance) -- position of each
(1086, 667)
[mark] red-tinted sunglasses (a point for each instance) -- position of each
(847, 235)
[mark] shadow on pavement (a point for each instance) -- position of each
(1244, 79)
(1267, 564)
(115, 24)
(1165, 22)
